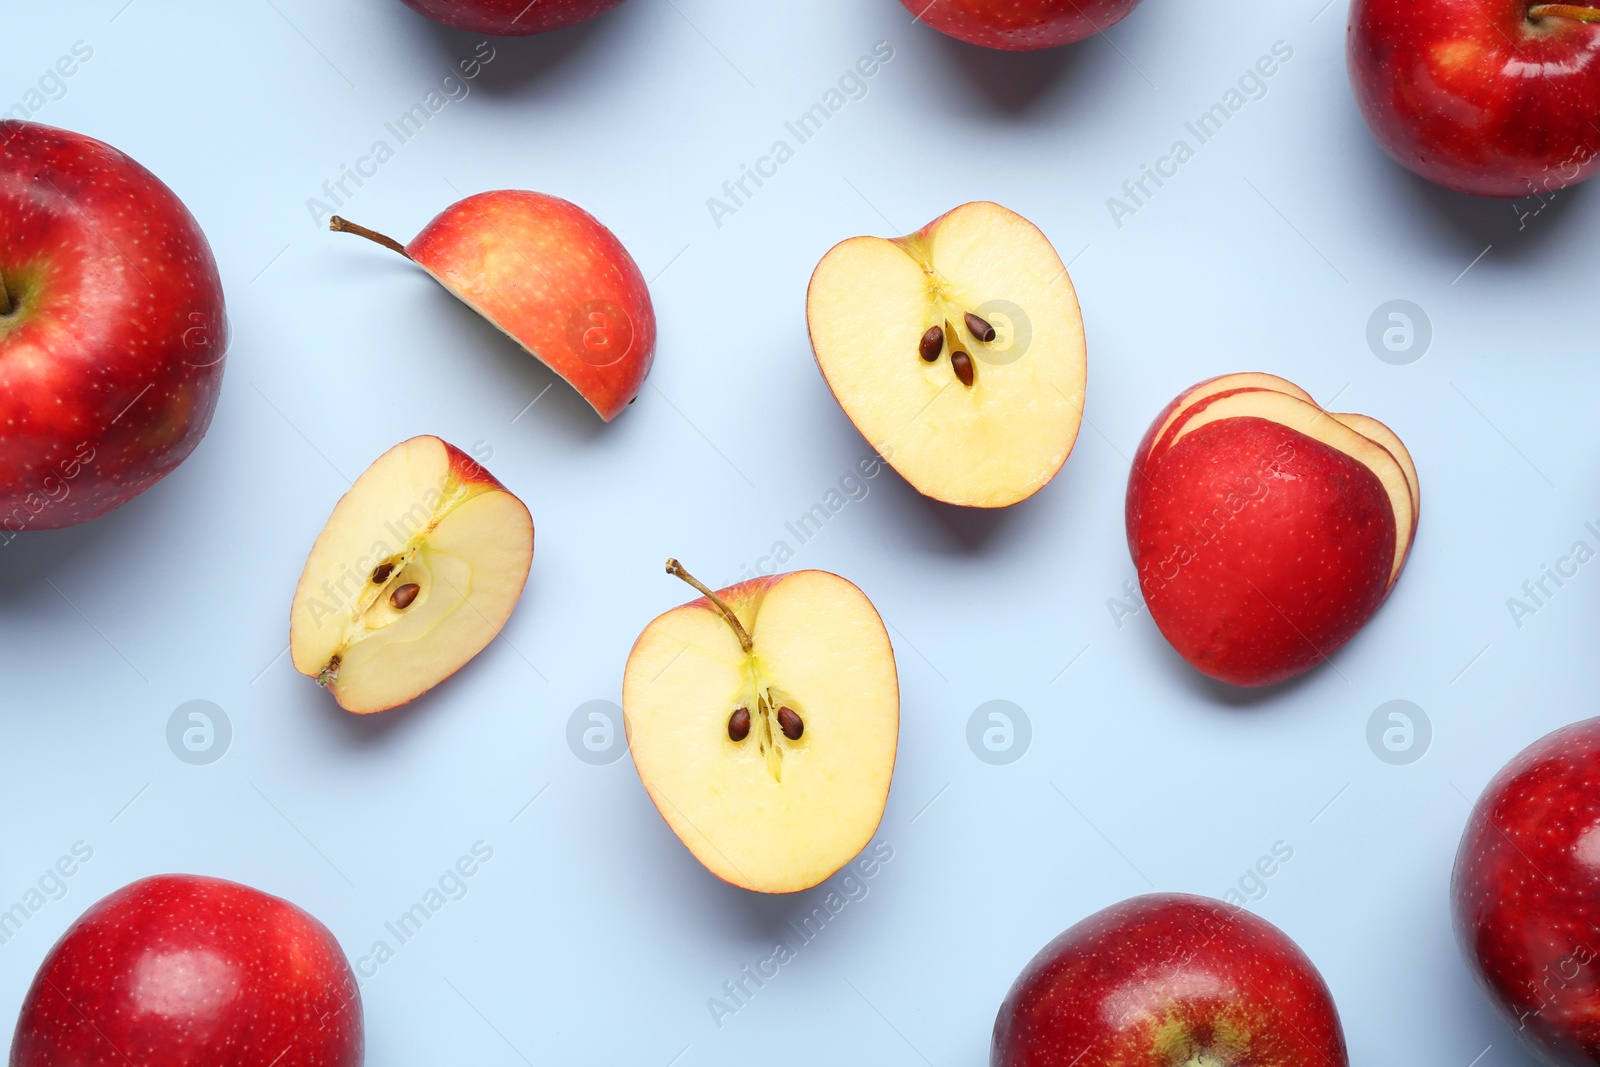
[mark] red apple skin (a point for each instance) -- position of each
(1020, 25)
(1157, 981)
(111, 361)
(511, 18)
(1260, 550)
(549, 274)
(182, 971)
(1525, 894)
(1477, 96)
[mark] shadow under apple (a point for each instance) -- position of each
(519, 63)
(1011, 83)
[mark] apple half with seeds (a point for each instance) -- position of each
(763, 721)
(416, 571)
(1265, 530)
(958, 352)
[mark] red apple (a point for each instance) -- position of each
(511, 17)
(1169, 980)
(1020, 25)
(550, 276)
(1525, 894)
(182, 971)
(1488, 97)
(112, 329)
(1266, 531)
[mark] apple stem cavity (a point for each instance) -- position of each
(675, 569)
(1564, 11)
(342, 225)
(6, 306)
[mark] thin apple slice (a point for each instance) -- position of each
(418, 568)
(797, 795)
(981, 423)
(1308, 419)
(1377, 432)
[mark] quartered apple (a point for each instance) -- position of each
(958, 352)
(763, 721)
(1265, 530)
(417, 570)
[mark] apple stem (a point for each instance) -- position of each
(1565, 11)
(675, 569)
(341, 225)
(6, 307)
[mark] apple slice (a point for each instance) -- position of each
(1378, 433)
(958, 352)
(552, 278)
(763, 721)
(416, 571)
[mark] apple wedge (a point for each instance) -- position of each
(958, 352)
(763, 721)
(417, 569)
(1378, 433)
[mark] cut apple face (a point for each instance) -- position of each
(1267, 531)
(958, 352)
(417, 570)
(763, 721)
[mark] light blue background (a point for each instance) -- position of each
(592, 935)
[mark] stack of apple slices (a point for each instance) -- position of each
(1266, 531)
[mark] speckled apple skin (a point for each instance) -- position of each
(1163, 980)
(511, 18)
(1260, 550)
(187, 971)
(1020, 25)
(1474, 95)
(111, 364)
(1525, 895)
(551, 276)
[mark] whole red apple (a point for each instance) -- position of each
(1020, 25)
(1488, 97)
(1169, 980)
(112, 329)
(511, 17)
(184, 971)
(1525, 894)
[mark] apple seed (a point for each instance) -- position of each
(739, 724)
(790, 723)
(401, 598)
(961, 363)
(932, 344)
(381, 572)
(979, 328)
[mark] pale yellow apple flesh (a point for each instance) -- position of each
(769, 812)
(417, 569)
(1309, 419)
(984, 424)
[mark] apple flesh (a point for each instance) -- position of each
(112, 329)
(549, 276)
(416, 571)
(180, 970)
(763, 721)
(1170, 980)
(511, 17)
(1525, 894)
(1266, 531)
(1020, 25)
(958, 352)
(1487, 97)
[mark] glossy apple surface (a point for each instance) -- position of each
(1525, 894)
(1169, 980)
(186, 971)
(1488, 97)
(511, 17)
(1020, 25)
(112, 329)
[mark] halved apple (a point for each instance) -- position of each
(417, 569)
(958, 352)
(1266, 531)
(763, 721)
